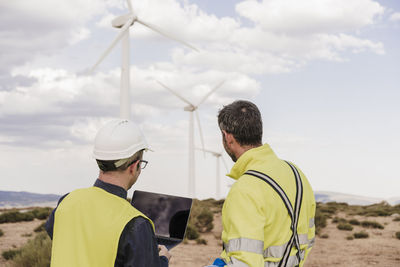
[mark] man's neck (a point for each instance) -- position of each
(114, 178)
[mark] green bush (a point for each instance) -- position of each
(398, 235)
(10, 254)
(191, 232)
(40, 228)
(375, 210)
(320, 220)
(1, 232)
(204, 222)
(345, 226)
(36, 253)
(361, 234)
(41, 213)
(201, 241)
(16, 216)
(371, 224)
(354, 222)
(339, 220)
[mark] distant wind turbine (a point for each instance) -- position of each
(124, 22)
(218, 157)
(192, 108)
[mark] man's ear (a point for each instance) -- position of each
(134, 167)
(228, 137)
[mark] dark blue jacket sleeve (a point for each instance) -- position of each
(50, 221)
(138, 246)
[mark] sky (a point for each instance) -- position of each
(325, 75)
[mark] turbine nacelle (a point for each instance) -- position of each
(190, 108)
(120, 21)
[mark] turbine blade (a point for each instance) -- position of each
(168, 35)
(129, 5)
(226, 166)
(116, 40)
(175, 93)
(212, 91)
(200, 131)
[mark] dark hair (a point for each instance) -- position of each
(243, 120)
(119, 164)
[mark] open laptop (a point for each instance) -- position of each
(170, 215)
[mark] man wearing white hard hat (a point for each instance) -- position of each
(97, 226)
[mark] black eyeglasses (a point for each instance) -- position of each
(143, 163)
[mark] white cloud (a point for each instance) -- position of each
(395, 16)
(311, 16)
(62, 106)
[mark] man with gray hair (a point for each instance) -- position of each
(97, 226)
(268, 215)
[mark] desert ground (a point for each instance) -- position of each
(382, 248)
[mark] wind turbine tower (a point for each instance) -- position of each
(191, 108)
(218, 157)
(124, 22)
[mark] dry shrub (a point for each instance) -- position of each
(204, 222)
(361, 234)
(398, 235)
(36, 253)
(16, 216)
(345, 226)
(10, 254)
(191, 232)
(375, 210)
(354, 222)
(371, 224)
(40, 228)
(396, 219)
(350, 237)
(1, 232)
(325, 236)
(201, 241)
(339, 220)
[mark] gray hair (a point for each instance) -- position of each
(243, 120)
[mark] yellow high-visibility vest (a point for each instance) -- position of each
(256, 222)
(87, 226)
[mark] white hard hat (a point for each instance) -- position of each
(118, 139)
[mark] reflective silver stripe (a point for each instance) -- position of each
(275, 251)
(312, 223)
(245, 244)
(237, 263)
(303, 239)
(278, 251)
(271, 264)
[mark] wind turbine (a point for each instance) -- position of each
(192, 108)
(125, 22)
(218, 157)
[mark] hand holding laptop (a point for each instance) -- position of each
(163, 251)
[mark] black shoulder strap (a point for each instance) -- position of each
(293, 213)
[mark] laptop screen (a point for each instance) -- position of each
(169, 213)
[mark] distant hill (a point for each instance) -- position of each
(24, 199)
(326, 196)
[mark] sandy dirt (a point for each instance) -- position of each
(382, 248)
(16, 235)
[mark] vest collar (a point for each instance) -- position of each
(111, 188)
(245, 161)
